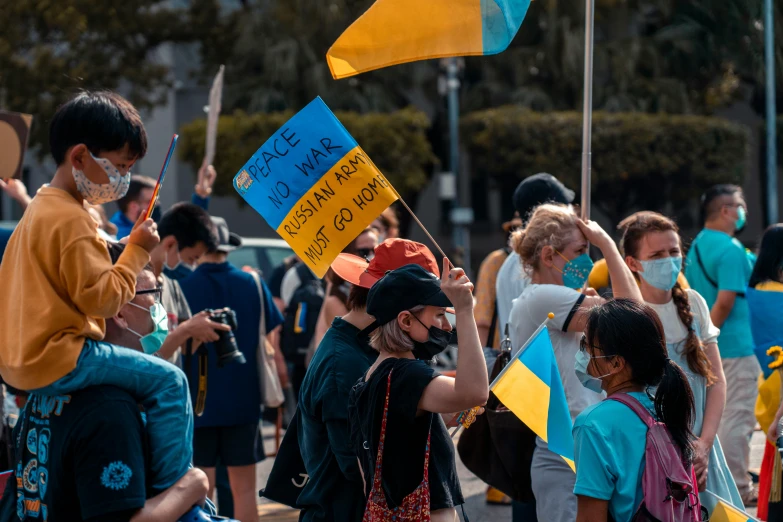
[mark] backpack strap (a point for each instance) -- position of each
(704, 271)
(642, 412)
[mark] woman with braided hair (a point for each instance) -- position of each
(652, 248)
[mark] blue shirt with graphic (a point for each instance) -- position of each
(233, 394)
(728, 266)
(609, 444)
(82, 457)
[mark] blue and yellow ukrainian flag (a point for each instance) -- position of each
(399, 31)
(721, 510)
(530, 387)
(315, 186)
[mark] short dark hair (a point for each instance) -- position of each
(137, 184)
(357, 298)
(189, 224)
(770, 260)
(710, 200)
(116, 250)
(102, 120)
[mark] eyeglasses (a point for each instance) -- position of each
(157, 291)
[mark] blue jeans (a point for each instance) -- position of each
(157, 385)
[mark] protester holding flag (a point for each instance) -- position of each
(624, 351)
(653, 250)
(553, 250)
(334, 490)
(406, 455)
(60, 285)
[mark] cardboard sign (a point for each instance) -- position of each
(14, 134)
(215, 97)
(315, 185)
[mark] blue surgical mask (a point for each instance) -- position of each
(662, 273)
(580, 368)
(152, 342)
(742, 217)
(576, 271)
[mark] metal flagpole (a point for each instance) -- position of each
(587, 116)
(769, 51)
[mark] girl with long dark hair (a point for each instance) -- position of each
(765, 302)
(652, 248)
(624, 350)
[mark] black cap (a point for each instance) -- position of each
(227, 241)
(539, 189)
(403, 289)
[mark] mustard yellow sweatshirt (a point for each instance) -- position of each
(57, 287)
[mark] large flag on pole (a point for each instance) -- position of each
(530, 387)
(399, 31)
(313, 183)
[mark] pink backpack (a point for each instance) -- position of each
(670, 489)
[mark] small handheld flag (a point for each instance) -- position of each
(530, 387)
(162, 174)
(722, 510)
(313, 183)
(399, 31)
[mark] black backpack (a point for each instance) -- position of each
(301, 316)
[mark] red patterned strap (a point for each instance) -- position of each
(379, 456)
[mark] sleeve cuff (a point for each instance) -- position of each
(586, 491)
(574, 308)
(134, 257)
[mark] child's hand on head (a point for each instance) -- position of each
(145, 234)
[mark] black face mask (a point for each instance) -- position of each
(438, 340)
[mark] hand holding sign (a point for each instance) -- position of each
(315, 185)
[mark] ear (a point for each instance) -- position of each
(405, 321)
(78, 156)
(120, 321)
(168, 242)
(634, 264)
(548, 256)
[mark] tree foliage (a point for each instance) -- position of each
(51, 49)
(639, 160)
(395, 141)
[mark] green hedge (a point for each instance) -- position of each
(638, 160)
(396, 142)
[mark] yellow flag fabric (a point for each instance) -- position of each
(398, 31)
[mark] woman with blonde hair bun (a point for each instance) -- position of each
(553, 250)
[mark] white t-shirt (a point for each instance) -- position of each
(529, 311)
(290, 283)
(510, 283)
(673, 328)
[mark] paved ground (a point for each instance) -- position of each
(472, 488)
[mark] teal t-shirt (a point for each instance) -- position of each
(729, 266)
(609, 443)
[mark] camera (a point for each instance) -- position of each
(226, 345)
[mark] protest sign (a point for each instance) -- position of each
(215, 97)
(315, 185)
(14, 133)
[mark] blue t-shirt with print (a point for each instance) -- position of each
(609, 444)
(728, 265)
(233, 395)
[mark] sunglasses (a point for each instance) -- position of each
(366, 253)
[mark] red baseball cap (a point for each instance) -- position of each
(389, 255)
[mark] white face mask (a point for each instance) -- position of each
(100, 193)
